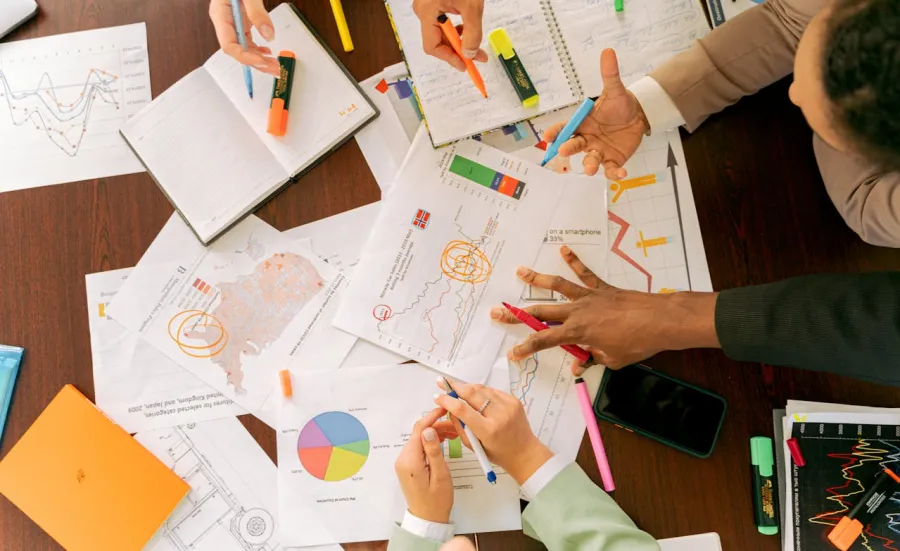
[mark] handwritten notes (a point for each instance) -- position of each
(452, 105)
(644, 35)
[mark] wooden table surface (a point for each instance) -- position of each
(762, 206)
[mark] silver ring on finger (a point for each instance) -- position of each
(484, 406)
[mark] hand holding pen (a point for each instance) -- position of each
(498, 420)
(233, 33)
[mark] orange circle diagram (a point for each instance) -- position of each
(184, 323)
(465, 262)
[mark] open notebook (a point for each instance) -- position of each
(559, 43)
(204, 140)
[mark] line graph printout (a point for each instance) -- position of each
(62, 101)
(444, 250)
(237, 312)
(339, 437)
(843, 459)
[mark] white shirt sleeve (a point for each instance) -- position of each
(660, 110)
(541, 477)
(427, 529)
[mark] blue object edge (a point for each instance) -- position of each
(7, 400)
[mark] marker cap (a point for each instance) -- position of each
(845, 533)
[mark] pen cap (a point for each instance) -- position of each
(501, 43)
(762, 455)
(845, 533)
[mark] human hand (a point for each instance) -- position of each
(618, 327)
(611, 134)
(427, 485)
(255, 14)
(459, 543)
(502, 427)
(433, 41)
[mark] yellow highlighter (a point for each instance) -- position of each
(516, 72)
(341, 21)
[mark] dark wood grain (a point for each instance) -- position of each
(762, 206)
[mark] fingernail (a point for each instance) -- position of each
(511, 356)
(429, 434)
(496, 313)
(579, 370)
(436, 396)
(470, 54)
(267, 31)
(565, 250)
(522, 271)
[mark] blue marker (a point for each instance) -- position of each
(242, 40)
(473, 440)
(10, 360)
(569, 129)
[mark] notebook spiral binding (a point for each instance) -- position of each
(562, 49)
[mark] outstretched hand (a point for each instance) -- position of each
(254, 14)
(611, 134)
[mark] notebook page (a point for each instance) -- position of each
(325, 105)
(452, 105)
(203, 154)
(644, 35)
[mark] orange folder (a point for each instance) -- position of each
(86, 481)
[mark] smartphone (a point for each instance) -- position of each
(661, 407)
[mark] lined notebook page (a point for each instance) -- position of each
(453, 107)
(326, 106)
(204, 155)
(644, 35)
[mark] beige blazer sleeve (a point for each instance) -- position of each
(737, 59)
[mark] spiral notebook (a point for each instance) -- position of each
(204, 140)
(559, 43)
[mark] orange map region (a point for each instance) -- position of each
(255, 310)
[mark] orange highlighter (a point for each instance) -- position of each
(455, 41)
(281, 94)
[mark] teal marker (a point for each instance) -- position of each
(620, 5)
(10, 360)
(765, 505)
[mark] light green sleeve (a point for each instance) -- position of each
(401, 540)
(571, 512)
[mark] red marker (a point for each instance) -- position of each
(796, 455)
(580, 354)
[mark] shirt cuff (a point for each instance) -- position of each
(427, 529)
(543, 476)
(660, 110)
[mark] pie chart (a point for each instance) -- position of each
(333, 446)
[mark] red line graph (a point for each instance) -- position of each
(623, 229)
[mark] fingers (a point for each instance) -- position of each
(480, 54)
(609, 72)
(446, 429)
(543, 312)
(554, 283)
(585, 274)
(476, 395)
(259, 18)
(614, 170)
(434, 45)
(575, 144)
(471, 13)
(591, 162)
(461, 410)
(551, 133)
(579, 368)
(536, 342)
(435, 453)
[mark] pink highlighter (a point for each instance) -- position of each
(594, 433)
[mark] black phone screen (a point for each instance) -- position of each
(639, 398)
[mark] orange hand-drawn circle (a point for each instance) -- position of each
(194, 318)
(465, 262)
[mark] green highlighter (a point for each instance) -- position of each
(765, 503)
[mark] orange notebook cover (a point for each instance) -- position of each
(86, 481)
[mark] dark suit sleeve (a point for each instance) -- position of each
(845, 324)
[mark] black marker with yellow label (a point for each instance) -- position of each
(503, 47)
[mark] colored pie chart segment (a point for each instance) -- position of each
(333, 446)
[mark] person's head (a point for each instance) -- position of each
(847, 78)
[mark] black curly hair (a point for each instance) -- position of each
(861, 73)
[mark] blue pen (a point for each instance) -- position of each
(242, 40)
(473, 440)
(583, 111)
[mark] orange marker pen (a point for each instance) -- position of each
(455, 41)
(287, 389)
(281, 94)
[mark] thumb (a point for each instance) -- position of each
(259, 17)
(609, 71)
(434, 451)
(471, 13)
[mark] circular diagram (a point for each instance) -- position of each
(333, 446)
(198, 334)
(465, 262)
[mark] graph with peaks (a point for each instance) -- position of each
(62, 101)
(842, 461)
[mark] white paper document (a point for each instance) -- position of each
(62, 101)
(444, 250)
(340, 435)
(644, 35)
(339, 240)
(237, 312)
(453, 107)
(233, 503)
(135, 384)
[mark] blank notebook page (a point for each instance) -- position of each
(325, 105)
(453, 107)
